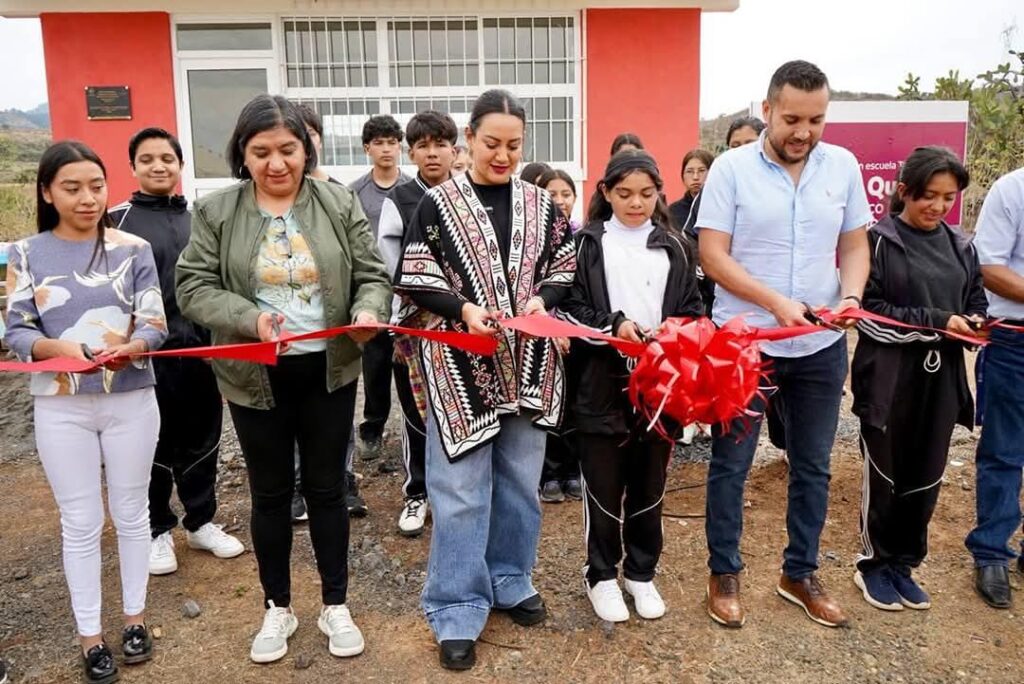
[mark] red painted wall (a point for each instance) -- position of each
(103, 48)
(643, 76)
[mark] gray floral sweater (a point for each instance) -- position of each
(54, 292)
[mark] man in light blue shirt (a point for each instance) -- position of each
(999, 239)
(773, 218)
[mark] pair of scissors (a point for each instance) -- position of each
(815, 319)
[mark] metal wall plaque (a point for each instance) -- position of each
(108, 103)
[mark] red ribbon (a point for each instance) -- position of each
(689, 372)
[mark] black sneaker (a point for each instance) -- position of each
(136, 644)
(573, 489)
(551, 492)
(356, 505)
(98, 666)
(389, 463)
(299, 513)
(3, 672)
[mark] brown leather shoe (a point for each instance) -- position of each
(724, 601)
(809, 594)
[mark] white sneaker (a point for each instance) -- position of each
(271, 642)
(646, 599)
(214, 539)
(345, 638)
(413, 517)
(606, 597)
(162, 560)
(689, 432)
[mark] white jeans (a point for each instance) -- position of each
(74, 435)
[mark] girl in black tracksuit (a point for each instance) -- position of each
(910, 387)
(633, 271)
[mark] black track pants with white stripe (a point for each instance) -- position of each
(903, 464)
(623, 484)
(191, 412)
(414, 436)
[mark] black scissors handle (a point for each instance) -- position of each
(817, 320)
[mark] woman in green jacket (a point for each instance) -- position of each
(281, 251)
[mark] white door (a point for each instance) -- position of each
(211, 94)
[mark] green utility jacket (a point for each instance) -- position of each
(216, 277)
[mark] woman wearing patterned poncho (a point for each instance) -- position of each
(483, 246)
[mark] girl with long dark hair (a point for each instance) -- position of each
(83, 290)
(634, 270)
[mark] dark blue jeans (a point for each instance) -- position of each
(811, 389)
(1000, 454)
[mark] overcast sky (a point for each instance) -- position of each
(867, 45)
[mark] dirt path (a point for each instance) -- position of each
(959, 640)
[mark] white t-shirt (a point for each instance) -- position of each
(636, 275)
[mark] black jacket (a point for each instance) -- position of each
(876, 362)
(601, 404)
(166, 224)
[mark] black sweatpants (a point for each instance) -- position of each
(191, 416)
(623, 485)
(414, 437)
(903, 464)
(377, 362)
(319, 421)
(561, 462)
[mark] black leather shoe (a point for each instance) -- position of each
(136, 644)
(458, 654)
(98, 665)
(528, 612)
(992, 583)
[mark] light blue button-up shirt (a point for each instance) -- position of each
(999, 237)
(784, 235)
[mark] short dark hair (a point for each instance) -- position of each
(697, 153)
(381, 126)
(799, 74)
(743, 122)
(623, 139)
(263, 113)
(532, 171)
(556, 174)
(918, 169)
(431, 124)
(149, 134)
(495, 101)
(311, 118)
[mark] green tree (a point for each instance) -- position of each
(995, 135)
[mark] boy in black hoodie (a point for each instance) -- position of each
(190, 404)
(431, 137)
(910, 386)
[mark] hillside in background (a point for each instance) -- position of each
(34, 119)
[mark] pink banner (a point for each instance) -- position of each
(881, 147)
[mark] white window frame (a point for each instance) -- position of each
(275, 61)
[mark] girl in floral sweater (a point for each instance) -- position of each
(82, 290)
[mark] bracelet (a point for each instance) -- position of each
(854, 298)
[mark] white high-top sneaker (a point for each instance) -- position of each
(162, 560)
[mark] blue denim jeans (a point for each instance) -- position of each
(1000, 455)
(811, 392)
(486, 511)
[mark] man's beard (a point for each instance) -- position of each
(780, 152)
